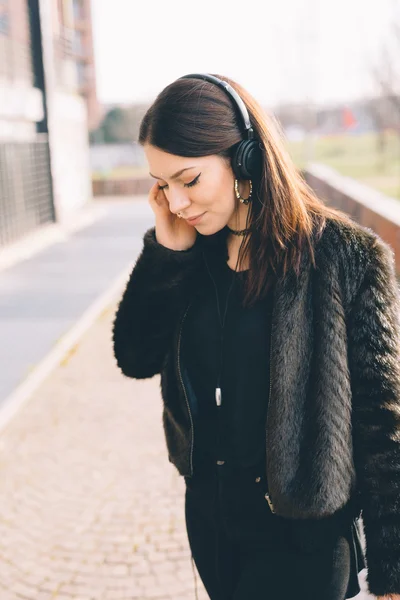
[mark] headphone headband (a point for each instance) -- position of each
(247, 158)
(232, 93)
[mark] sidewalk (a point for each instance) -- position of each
(91, 507)
(42, 297)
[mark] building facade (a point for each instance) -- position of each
(47, 103)
(73, 30)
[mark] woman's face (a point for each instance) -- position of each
(205, 186)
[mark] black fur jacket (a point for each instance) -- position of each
(333, 421)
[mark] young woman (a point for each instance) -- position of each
(273, 321)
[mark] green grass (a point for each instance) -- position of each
(351, 155)
(357, 157)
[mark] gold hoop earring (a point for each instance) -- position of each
(239, 197)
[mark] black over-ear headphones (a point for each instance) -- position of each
(246, 162)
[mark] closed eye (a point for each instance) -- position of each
(190, 184)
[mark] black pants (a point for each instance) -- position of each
(243, 551)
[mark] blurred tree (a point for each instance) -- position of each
(120, 125)
(290, 115)
(386, 74)
(386, 71)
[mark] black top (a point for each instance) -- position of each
(235, 431)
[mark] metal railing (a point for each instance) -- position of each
(26, 198)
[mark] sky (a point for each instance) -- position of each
(318, 51)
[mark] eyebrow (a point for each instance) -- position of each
(175, 175)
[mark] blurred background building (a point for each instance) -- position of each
(47, 104)
(73, 38)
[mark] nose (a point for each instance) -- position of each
(178, 202)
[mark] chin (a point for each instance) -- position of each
(208, 230)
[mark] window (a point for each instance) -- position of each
(81, 70)
(77, 43)
(4, 17)
(79, 10)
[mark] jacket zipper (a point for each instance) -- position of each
(267, 495)
(184, 389)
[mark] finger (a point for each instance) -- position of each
(154, 190)
(162, 199)
(156, 194)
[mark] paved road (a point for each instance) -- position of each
(91, 507)
(42, 297)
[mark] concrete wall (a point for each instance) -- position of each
(366, 205)
(122, 187)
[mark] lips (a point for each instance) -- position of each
(194, 218)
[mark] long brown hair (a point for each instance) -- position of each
(194, 118)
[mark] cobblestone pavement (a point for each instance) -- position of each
(91, 507)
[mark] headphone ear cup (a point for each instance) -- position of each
(246, 163)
